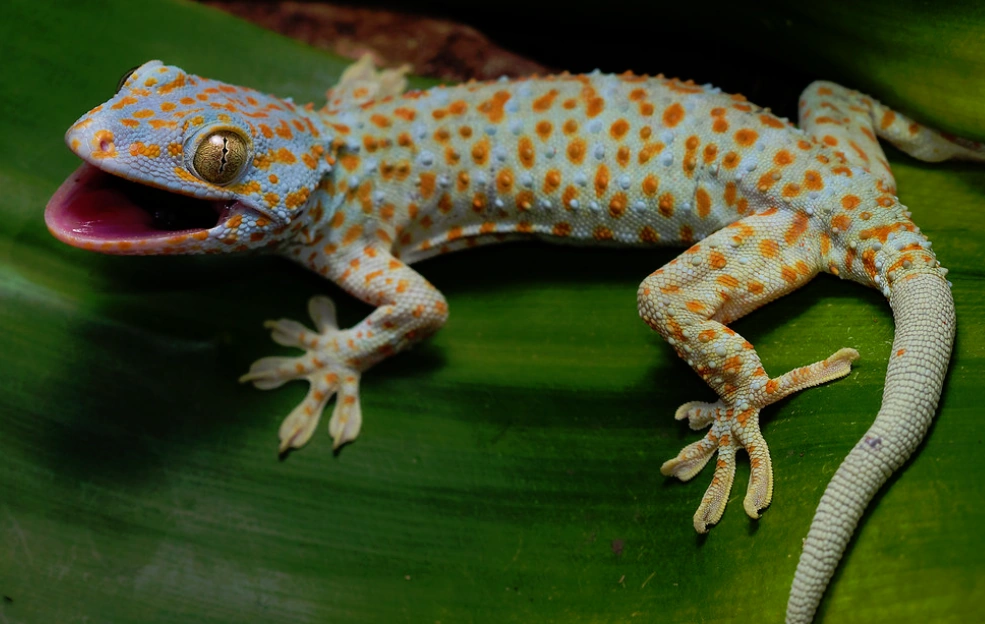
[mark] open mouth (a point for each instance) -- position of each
(93, 206)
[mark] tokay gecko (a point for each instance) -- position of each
(380, 178)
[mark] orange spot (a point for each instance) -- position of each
(711, 151)
(619, 129)
(673, 115)
(703, 202)
(849, 202)
(783, 158)
(650, 150)
(717, 260)
(544, 129)
(480, 151)
(524, 200)
(525, 152)
(797, 228)
(766, 181)
(695, 306)
(769, 248)
(887, 119)
(666, 205)
(617, 205)
(562, 229)
(445, 204)
(842, 222)
(728, 281)
(650, 185)
(407, 114)
(595, 106)
(552, 181)
(576, 151)
(352, 234)
(771, 121)
(570, 193)
(544, 102)
(602, 233)
(504, 181)
(350, 162)
(493, 107)
(649, 235)
(788, 274)
(746, 137)
(813, 181)
(451, 156)
(601, 180)
(730, 192)
(622, 156)
(427, 184)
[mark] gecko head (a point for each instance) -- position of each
(176, 163)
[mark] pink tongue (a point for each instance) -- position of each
(104, 213)
(90, 206)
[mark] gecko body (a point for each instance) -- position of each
(379, 179)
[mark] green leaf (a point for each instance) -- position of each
(507, 470)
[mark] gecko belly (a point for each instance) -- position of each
(94, 209)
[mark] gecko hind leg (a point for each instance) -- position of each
(689, 302)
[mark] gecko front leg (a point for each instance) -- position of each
(690, 301)
(409, 309)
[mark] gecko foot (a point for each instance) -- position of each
(326, 373)
(734, 426)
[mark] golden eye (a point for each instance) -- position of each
(220, 157)
(127, 75)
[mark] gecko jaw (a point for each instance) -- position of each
(97, 210)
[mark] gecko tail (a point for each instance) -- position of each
(923, 310)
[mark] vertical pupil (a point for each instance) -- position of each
(225, 150)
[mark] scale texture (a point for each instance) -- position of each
(381, 178)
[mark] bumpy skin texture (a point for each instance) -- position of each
(377, 180)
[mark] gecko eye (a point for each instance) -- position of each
(125, 77)
(220, 157)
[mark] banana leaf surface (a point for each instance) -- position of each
(508, 469)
